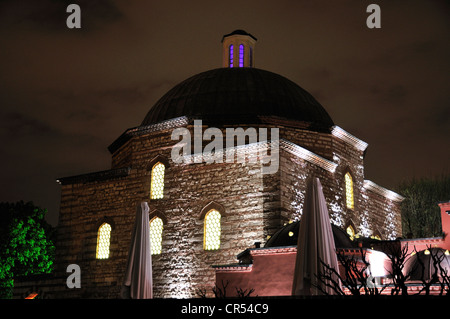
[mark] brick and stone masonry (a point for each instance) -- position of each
(253, 206)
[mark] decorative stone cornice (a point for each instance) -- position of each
(273, 250)
(140, 130)
(95, 177)
(284, 144)
(308, 155)
(233, 268)
(349, 138)
(371, 186)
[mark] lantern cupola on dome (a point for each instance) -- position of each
(239, 93)
(238, 49)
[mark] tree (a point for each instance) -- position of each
(420, 212)
(221, 292)
(355, 276)
(26, 245)
(398, 257)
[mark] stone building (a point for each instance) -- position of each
(202, 213)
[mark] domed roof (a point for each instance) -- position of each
(239, 95)
(238, 32)
(422, 265)
(288, 235)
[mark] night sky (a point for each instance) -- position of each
(67, 94)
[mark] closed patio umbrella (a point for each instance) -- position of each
(315, 243)
(138, 282)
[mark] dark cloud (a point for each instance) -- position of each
(15, 124)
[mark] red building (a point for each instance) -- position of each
(269, 270)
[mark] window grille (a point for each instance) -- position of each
(156, 229)
(349, 191)
(211, 240)
(157, 182)
(103, 241)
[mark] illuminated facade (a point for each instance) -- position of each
(206, 214)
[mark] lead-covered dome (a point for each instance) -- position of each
(239, 96)
(288, 236)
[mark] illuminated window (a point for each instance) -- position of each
(211, 239)
(351, 232)
(103, 240)
(241, 55)
(156, 229)
(230, 58)
(377, 237)
(349, 191)
(157, 184)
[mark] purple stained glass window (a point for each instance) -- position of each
(241, 55)
(230, 58)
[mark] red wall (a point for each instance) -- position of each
(272, 271)
(271, 274)
(445, 218)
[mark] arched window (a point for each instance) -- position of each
(350, 232)
(156, 229)
(103, 241)
(230, 56)
(349, 191)
(241, 55)
(157, 183)
(211, 236)
(376, 235)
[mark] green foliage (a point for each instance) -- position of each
(26, 245)
(420, 210)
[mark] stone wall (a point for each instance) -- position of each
(183, 266)
(380, 216)
(252, 206)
